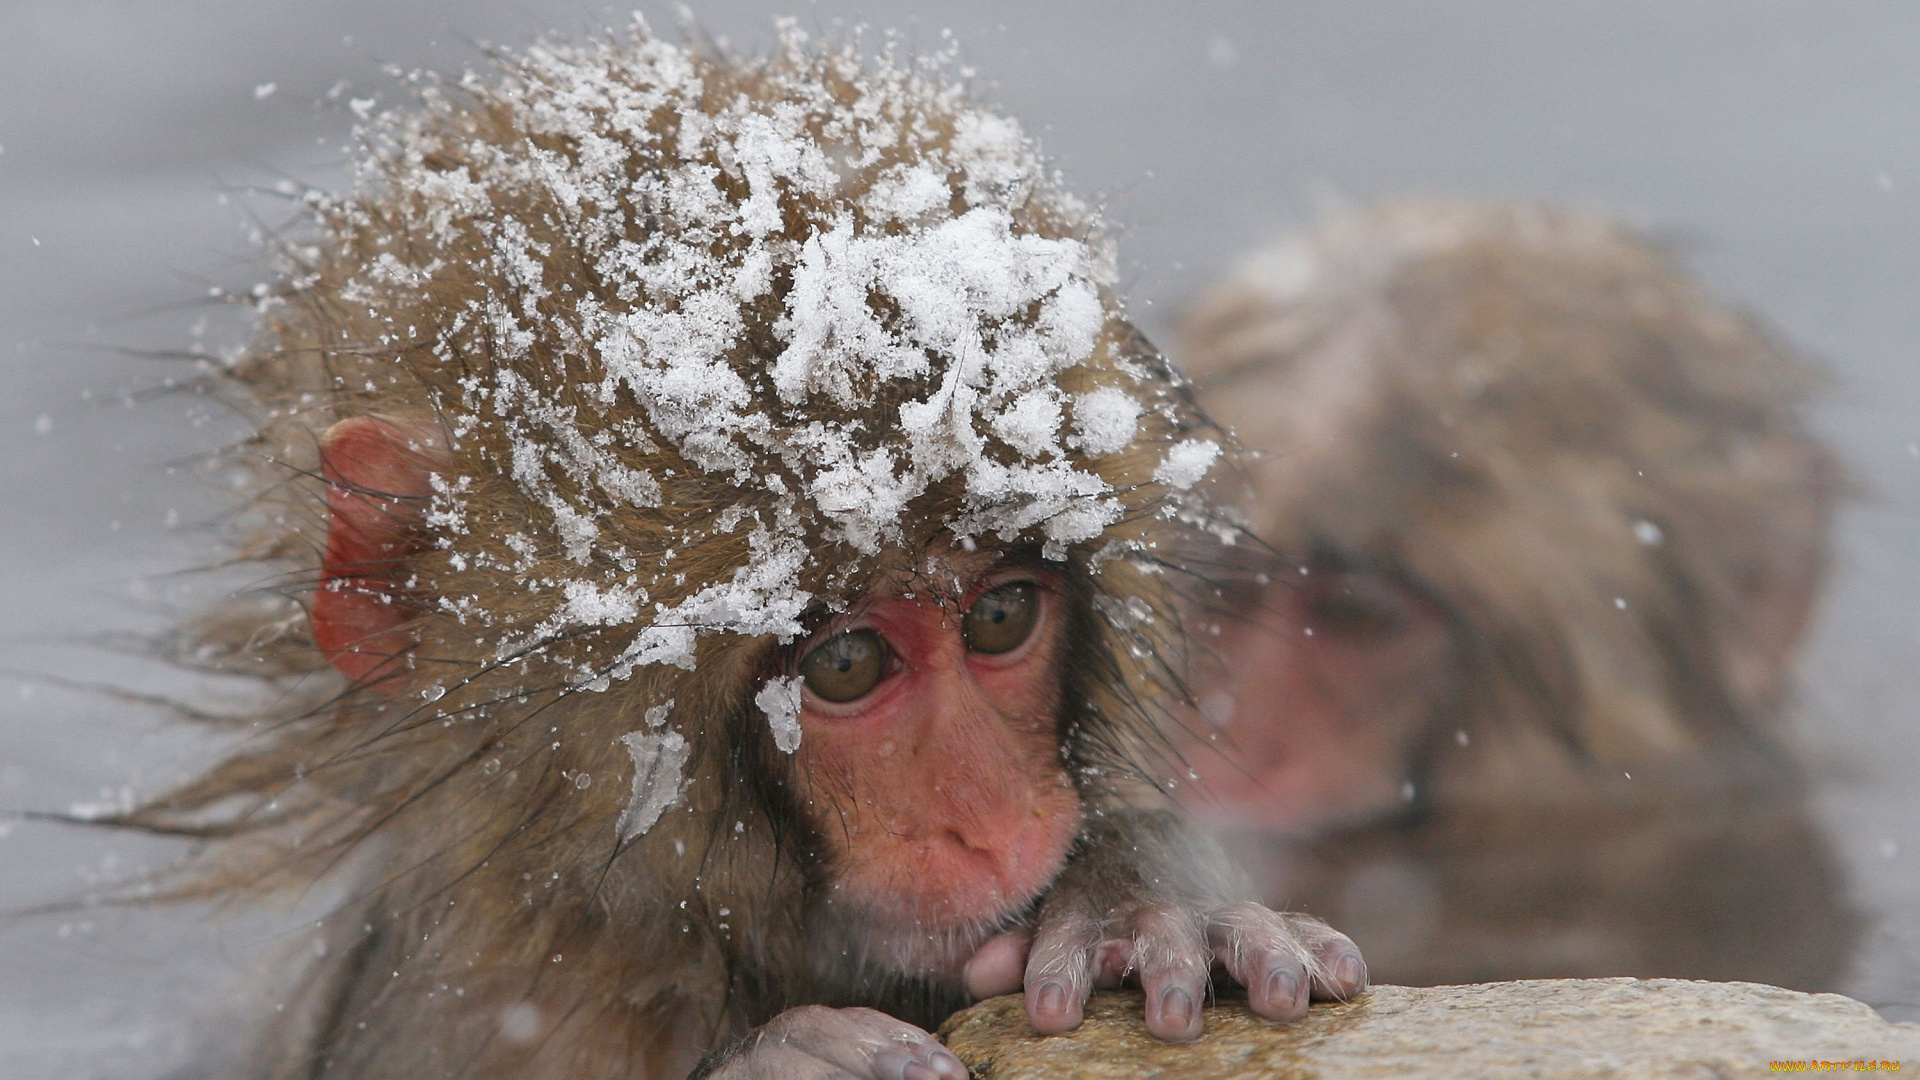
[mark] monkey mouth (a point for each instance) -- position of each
(961, 873)
(923, 907)
(899, 943)
(945, 883)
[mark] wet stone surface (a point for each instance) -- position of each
(1561, 1028)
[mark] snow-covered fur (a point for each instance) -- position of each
(715, 346)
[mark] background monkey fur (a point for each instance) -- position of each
(1550, 526)
(619, 387)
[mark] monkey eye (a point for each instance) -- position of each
(1357, 605)
(845, 666)
(1002, 617)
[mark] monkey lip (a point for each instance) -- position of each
(968, 883)
(947, 881)
(934, 895)
(896, 942)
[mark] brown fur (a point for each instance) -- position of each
(476, 830)
(1487, 406)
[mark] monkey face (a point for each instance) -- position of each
(1331, 675)
(930, 763)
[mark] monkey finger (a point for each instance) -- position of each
(1341, 970)
(860, 1043)
(1171, 955)
(1059, 972)
(998, 966)
(923, 1061)
(776, 1062)
(1261, 951)
(1248, 937)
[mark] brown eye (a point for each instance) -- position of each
(1002, 618)
(845, 666)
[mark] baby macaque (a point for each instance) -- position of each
(1547, 526)
(730, 603)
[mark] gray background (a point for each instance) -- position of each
(1775, 143)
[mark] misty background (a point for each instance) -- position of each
(1775, 144)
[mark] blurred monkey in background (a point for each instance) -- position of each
(1546, 528)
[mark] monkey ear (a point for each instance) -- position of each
(377, 488)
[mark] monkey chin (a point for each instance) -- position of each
(856, 935)
(945, 900)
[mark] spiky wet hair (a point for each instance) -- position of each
(712, 348)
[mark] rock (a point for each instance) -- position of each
(1628, 1028)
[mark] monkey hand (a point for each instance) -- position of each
(1158, 919)
(814, 1042)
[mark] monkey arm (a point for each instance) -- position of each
(1147, 897)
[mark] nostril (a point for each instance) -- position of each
(954, 837)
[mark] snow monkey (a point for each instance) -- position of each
(729, 520)
(1549, 527)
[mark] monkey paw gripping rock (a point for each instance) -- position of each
(1587, 1028)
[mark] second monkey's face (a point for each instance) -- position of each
(1330, 680)
(930, 758)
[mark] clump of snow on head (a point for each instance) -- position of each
(659, 779)
(827, 285)
(660, 757)
(1104, 421)
(1187, 463)
(779, 701)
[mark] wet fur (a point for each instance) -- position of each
(1481, 403)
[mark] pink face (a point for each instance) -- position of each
(1329, 679)
(930, 752)
(929, 761)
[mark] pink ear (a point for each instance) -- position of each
(376, 472)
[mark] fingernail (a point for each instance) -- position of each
(1053, 998)
(948, 1066)
(1350, 970)
(1176, 1007)
(1283, 986)
(916, 1071)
